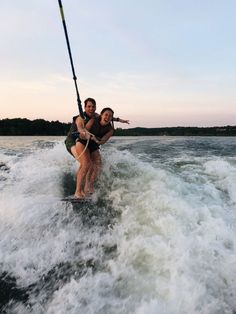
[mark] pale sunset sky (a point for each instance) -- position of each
(155, 62)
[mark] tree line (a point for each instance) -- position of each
(179, 131)
(20, 126)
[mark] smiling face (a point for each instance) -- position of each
(106, 117)
(90, 108)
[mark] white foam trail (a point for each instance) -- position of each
(175, 237)
(174, 247)
(29, 203)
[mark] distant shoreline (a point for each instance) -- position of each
(26, 127)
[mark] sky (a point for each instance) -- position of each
(158, 63)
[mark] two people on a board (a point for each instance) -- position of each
(83, 141)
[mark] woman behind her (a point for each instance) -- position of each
(89, 157)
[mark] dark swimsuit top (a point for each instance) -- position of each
(100, 130)
(97, 129)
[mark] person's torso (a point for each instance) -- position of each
(100, 130)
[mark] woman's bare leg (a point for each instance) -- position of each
(94, 171)
(87, 187)
(85, 162)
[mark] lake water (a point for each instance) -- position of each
(158, 237)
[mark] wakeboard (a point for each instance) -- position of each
(74, 200)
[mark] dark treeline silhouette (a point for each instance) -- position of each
(20, 126)
(35, 127)
(179, 131)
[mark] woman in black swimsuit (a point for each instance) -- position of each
(90, 158)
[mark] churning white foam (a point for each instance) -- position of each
(175, 243)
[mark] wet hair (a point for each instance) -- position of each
(107, 108)
(93, 101)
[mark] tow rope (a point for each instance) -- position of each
(91, 136)
(84, 149)
(71, 60)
